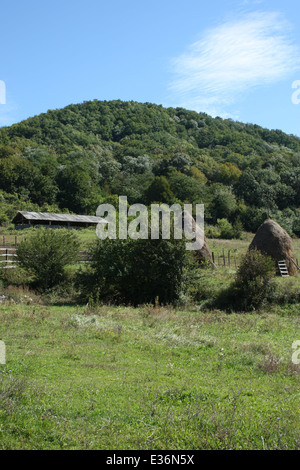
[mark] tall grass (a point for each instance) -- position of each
(147, 378)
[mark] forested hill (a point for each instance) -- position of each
(79, 156)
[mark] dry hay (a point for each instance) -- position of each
(274, 241)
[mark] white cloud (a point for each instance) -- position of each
(233, 58)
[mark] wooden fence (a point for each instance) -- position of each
(9, 257)
(225, 258)
(8, 241)
(230, 258)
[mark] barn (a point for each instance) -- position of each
(25, 219)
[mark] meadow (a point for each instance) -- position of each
(151, 377)
(147, 378)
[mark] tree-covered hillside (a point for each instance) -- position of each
(75, 158)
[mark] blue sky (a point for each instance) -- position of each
(231, 58)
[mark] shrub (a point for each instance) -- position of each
(46, 253)
(224, 229)
(135, 271)
(212, 232)
(253, 283)
(13, 277)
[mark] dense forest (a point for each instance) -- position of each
(73, 159)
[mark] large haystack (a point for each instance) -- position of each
(203, 255)
(274, 241)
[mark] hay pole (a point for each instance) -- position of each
(293, 262)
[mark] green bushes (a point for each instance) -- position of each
(225, 230)
(136, 271)
(46, 253)
(253, 283)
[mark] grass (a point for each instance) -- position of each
(147, 378)
(150, 377)
(86, 236)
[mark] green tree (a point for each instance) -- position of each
(223, 204)
(160, 191)
(228, 173)
(45, 253)
(187, 189)
(135, 271)
(77, 191)
(253, 283)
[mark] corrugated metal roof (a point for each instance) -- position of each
(45, 216)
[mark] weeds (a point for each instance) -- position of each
(11, 392)
(148, 378)
(270, 365)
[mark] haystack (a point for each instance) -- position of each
(274, 241)
(203, 255)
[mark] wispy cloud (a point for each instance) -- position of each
(255, 49)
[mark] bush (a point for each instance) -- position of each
(212, 231)
(17, 277)
(253, 283)
(135, 271)
(225, 230)
(46, 253)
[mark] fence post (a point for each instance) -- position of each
(228, 257)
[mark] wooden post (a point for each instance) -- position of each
(213, 257)
(228, 257)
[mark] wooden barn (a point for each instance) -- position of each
(25, 219)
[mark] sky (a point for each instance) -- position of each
(237, 59)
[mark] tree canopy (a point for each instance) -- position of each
(74, 158)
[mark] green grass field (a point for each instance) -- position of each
(8, 236)
(79, 377)
(147, 378)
